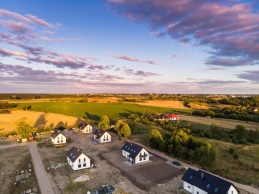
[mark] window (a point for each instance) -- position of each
(79, 165)
(84, 159)
(216, 190)
(189, 187)
(208, 186)
(197, 192)
(84, 165)
(79, 160)
(140, 159)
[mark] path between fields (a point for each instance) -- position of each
(42, 176)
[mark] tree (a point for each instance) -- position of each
(104, 123)
(155, 134)
(118, 126)
(23, 128)
(125, 130)
(122, 128)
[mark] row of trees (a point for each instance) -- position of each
(228, 113)
(239, 135)
(183, 145)
(6, 105)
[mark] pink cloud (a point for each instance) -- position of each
(230, 28)
(127, 58)
(39, 21)
(7, 53)
(28, 18)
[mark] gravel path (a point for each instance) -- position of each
(42, 176)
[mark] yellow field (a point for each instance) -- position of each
(7, 121)
(167, 104)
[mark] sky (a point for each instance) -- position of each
(129, 46)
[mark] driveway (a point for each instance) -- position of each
(40, 171)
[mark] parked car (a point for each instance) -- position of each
(176, 163)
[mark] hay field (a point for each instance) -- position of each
(168, 104)
(7, 121)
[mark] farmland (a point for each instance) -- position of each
(95, 110)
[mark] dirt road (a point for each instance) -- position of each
(42, 176)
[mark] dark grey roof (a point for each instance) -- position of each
(55, 134)
(132, 148)
(207, 182)
(99, 133)
(82, 125)
(74, 153)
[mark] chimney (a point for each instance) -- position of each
(130, 143)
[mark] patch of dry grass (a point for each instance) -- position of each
(167, 104)
(7, 121)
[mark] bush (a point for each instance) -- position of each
(231, 151)
(236, 156)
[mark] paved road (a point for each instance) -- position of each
(42, 176)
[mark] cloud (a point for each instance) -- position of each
(8, 53)
(252, 75)
(28, 18)
(139, 73)
(17, 27)
(52, 39)
(229, 28)
(127, 58)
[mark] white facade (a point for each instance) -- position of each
(188, 187)
(142, 156)
(59, 139)
(87, 129)
(81, 162)
(197, 190)
(106, 137)
(232, 190)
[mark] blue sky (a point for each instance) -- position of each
(129, 46)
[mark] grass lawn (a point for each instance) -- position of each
(95, 111)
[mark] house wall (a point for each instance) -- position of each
(187, 187)
(81, 162)
(87, 129)
(197, 190)
(232, 190)
(125, 154)
(105, 138)
(60, 139)
(139, 159)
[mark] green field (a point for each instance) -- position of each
(95, 110)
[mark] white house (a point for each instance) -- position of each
(58, 138)
(200, 182)
(102, 136)
(134, 153)
(85, 128)
(77, 159)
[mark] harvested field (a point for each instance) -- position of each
(199, 106)
(7, 121)
(225, 123)
(104, 100)
(167, 104)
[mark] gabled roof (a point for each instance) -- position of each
(74, 153)
(82, 125)
(172, 116)
(132, 148)
(56, 133)
(207, 182)
(99, 133)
